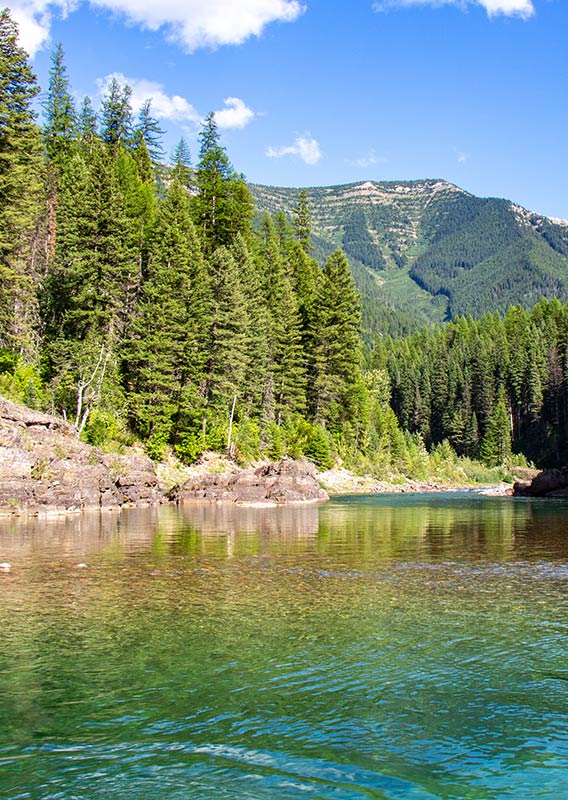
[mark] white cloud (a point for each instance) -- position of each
(206, 23)
(368, 160)
(34, 20)
(510, 8)
(236, 114)
(305, 147)
(164, 106)
(463, 158)
(192, 23)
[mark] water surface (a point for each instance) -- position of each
(373, 647)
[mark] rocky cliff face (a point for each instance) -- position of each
(44, 467)
(278, 483)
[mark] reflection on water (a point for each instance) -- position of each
(402, 647)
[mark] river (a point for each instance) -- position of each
(372, 647)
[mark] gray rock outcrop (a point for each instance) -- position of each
(278, 483)
(45, 467)
(549, 483)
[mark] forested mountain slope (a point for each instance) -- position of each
(427, 250)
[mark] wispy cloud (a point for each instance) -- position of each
(191, 23)
(510, 8)
(175, 108)
(462, 157)
(368, 160)
(305, 147)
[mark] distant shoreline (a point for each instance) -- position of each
(342, 481)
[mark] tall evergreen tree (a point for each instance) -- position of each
(182, 163)
(227, 353)
(336, 354)
(59, 109)
(20, 193)
(59, 132)
(116, 115)
(166, 351)
(149, 131)
(223, 205)
(87, 124)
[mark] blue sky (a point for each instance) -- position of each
(316, 92)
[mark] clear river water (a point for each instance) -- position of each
(411, 646)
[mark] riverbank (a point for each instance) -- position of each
(46, 469)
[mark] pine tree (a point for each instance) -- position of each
(227, 345)
(223, 206)
(20, 193)
(87, 123)
(148, 130)
(60, 118)
(59, 132)
(336, 354)
(258, 392)
(496, 444)
(288, 360)
(165, 355)
(181, 170)
(116, 116)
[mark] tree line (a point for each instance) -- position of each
(489, 387)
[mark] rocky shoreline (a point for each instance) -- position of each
(548, 483)
(45, 469)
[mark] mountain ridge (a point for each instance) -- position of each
(426, 250)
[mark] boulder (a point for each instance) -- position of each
(277, 483)
(548, 483)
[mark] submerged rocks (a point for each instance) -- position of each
(45, 467)
(549, 483)
(278, 483)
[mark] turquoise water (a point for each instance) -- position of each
(373, 647)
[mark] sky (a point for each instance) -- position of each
(325, 92)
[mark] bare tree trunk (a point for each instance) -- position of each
(84, 399)
(230, 436)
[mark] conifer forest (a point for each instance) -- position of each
(145, 300)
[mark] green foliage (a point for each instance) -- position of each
(222, 207)
(189, 446)
(317, 447)
(102, 427)
(20, 194)
(246, 436)
(21, 382)
(156, 446)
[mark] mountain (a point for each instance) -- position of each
(427, 251)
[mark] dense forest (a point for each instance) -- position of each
(150, 303)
